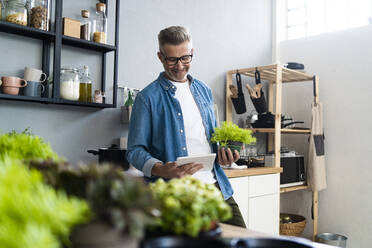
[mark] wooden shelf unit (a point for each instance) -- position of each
(276, 75)
(283, 130)
(293, 188)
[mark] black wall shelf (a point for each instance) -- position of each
(11, 28)
(54, 101)
(57, 39)
(85, 44)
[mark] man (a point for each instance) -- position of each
(174, 117)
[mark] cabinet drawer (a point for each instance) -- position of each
(263, 185)
(264, 214)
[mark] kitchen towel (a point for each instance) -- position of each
(316, 176)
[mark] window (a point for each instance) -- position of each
(311, 17)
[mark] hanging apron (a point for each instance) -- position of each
(316, 162)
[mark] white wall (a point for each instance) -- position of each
(343, 61)
(227, 34)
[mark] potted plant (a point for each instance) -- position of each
(188, 206)
(122, 205)
(231, 136)
(32, 213)
(26, 147)
(126, 110)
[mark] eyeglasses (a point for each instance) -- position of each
(185, 59)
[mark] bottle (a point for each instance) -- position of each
(16, 12)
(85, 86)
(100, 24)
(85, 25)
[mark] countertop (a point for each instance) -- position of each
(230, 173)
(231, 232)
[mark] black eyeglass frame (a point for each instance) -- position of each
(177, 59)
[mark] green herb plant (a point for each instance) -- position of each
(130, 100)
(25, 146)
(115, 198)
(188, 206)
(231, 132)
(33, 214)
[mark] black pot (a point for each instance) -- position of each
(113, 154)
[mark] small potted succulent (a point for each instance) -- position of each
(231, 136)
(188, 207)
(126, 110)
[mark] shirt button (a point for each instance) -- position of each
(172, 87)
(184, 148)
(181, 131)
(179, 114)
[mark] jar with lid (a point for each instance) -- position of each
(16, 12)
(39, 14)
(100, 24)
(69, 84)
(1, 9)
(85, 86)
(85, 25)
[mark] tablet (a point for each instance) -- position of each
(206, 159)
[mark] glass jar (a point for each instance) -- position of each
(100, 24)
(1, 9)
(16, 12)
(85, 25)
(85, 86)
(39, 14)
(69, 87)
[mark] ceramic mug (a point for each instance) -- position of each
(34, 75)
(33, 89)
(11, 85)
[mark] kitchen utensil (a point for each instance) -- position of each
(267, 120)
(234, 91)
(295, 66)
(113, 154)
(35, 75)
(11, 85)
(239, 102)
(33, 89)
(251, 91)
(259, 101)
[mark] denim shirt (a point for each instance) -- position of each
(156, 127)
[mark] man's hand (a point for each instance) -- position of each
(226, 157)
(172, 170)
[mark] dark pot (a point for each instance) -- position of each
(234, 145)
(183, 242)
(113, 154)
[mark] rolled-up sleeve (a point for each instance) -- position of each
(139, 136)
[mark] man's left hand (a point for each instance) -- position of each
(226, 157)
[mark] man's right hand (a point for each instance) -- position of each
(172, 170)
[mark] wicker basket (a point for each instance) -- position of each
(295, 228)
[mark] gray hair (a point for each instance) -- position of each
(173, 35)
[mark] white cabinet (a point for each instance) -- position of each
(258, 200)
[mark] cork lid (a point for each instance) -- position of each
(85, 13)
(100, 7)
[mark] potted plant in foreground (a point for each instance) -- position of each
(232, 136)
(122, 205)
(188, 207)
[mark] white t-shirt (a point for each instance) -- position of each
(196, 138)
